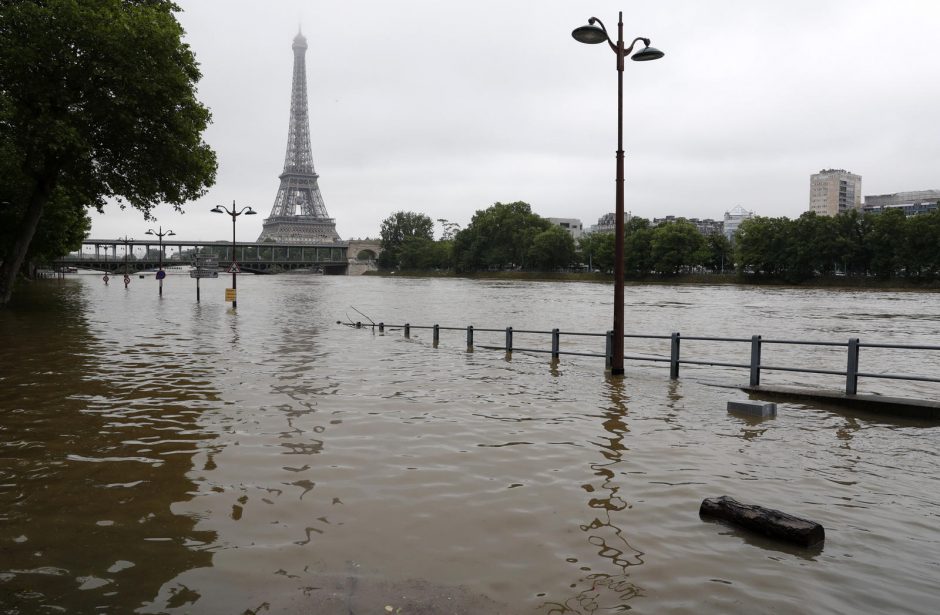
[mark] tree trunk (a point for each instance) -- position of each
(766, 521)
(13, 259)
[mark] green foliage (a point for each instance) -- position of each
(448, 229)
(399, 229)
(638, 247)
(552, 249)
(885, 245)
(421, 253)
(597, 250)
(498, 237)
(97, 102)
(718, 254)
(676, 246)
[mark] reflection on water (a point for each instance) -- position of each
(92, 457)
(164, 456)
(606, 591)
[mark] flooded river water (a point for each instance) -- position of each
(163, 456)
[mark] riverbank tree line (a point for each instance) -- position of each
(509, 236)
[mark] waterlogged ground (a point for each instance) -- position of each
(163, 456)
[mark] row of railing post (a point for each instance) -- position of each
(851, 372)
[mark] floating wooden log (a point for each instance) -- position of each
(767, 521)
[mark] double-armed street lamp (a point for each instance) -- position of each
(248, 211)
(160, 235)
(593, 34)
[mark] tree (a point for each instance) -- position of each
(97, 102)
(886, 239)
(399, 228)
(497, 237)
(676, 245)
(637, 246)
(717, 253)
(597, 250)
(762, 246)
(851, 242)
(920, 250)
(448, 229)
(552, 249)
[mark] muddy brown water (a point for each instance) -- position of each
(163, 456)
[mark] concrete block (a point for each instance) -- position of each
(753, 408)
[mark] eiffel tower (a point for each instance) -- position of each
(299, 215)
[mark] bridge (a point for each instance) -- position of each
(116, 255)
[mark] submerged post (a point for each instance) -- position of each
(469, 338)
(851, 370)
(407, 330)
(674, 357)
(437, 335)
(381, 327)
(609, 350)
(508, 339)
(755, 360)
(556, 344)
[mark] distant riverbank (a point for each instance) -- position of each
(716, 279)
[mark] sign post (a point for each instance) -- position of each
(206, 267)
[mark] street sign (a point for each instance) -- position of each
(230, 294)
(204, 273)
(234, 268)
(160, 274)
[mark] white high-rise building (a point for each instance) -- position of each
(833, 191)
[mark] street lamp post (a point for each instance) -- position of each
(106, 277)
(160, 235)
(248, 211)
(592, 35)
(127, 242)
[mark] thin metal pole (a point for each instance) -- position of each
(851, 370)
(609, 349)
(160, 260)
(755, 360)
(674, 357)
(508, 339)
(616, 366)
(234, 268)
(556, 344)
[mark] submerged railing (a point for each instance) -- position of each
(675, 360)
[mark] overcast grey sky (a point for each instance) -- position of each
(444, 108)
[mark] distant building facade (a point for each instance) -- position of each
(911, 203)
(605, 224)
(833, 191)
(572, 225)
(733, 218)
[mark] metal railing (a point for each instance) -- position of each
(755, 365)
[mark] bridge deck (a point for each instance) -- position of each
(109, 255)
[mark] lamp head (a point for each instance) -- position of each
(217, 209)
(150, 232)
(590, 34)
(646, 54)
(170, 234)
(250, 212)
